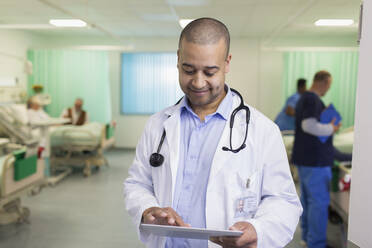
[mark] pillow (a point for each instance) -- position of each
(19, 111)
(4, 114)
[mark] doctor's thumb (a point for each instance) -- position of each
(238, 226)
(234, 228)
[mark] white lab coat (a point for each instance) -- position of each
(276, 209)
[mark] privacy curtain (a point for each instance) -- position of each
(68, 74)
(343, 65)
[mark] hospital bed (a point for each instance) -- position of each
(14, 124)
(20, 173)
(81, 146)
(343, 141)
(340, 199)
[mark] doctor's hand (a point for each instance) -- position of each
(247, 240)
(335, 127)
(162, 216)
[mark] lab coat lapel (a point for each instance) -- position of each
(172, 129)
(221, 157)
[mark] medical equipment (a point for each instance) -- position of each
(11, 91)
(14, 125)
(247, 118)
(340, 198)
(80, 145)
(188, 232)
(157, 159)
(18, 175)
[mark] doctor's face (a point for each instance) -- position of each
(202, 70)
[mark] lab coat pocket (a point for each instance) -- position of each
(246, 197)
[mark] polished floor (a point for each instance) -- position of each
(89, 212)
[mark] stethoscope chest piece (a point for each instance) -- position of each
(156, 159)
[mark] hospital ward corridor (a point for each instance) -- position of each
(185, 123)
(89, 213)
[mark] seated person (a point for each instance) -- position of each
(35, 112)
(285, 119)
(76, 114)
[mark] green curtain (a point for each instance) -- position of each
(343, 65)
(68, 74)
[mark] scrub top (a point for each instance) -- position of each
(308, 150)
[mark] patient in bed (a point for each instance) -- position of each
(35, 113)
(76, 114)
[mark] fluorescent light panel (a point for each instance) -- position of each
(334, 22)
(68, 23)
(184, 22)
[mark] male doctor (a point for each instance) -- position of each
(201, 182)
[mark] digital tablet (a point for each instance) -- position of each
(187, 232)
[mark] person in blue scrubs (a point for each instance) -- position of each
(314, 160)
(285, 119)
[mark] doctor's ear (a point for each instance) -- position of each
(227, 63)
(178, 58)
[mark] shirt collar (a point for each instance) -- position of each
(223, 109)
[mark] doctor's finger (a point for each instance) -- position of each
(159, 213)
(180, 222)
(216, 240)
(177, 220)
(153, 215)
(174, 218)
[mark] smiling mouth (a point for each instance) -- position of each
(199, 92)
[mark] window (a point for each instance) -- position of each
(149, 82)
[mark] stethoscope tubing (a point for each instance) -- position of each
(157, 159)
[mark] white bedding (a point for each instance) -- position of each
(15, 117)
(86, 135)
(342, 141)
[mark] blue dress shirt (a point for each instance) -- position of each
(198, 143)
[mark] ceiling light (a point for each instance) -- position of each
(334, 22)
(68, 22)
(184, 22)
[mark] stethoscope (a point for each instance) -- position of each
(156, 159)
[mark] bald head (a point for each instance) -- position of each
(205, 31)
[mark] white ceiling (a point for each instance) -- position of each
(121, 18)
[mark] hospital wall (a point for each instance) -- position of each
(360, 217)
(255, 71)
(256, 68)
(244, 74)
(13, 48)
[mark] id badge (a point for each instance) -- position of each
(246, 205)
